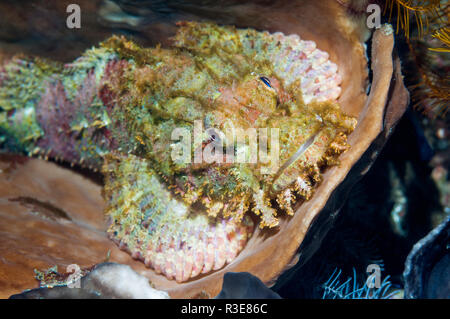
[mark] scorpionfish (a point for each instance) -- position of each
(116, 108)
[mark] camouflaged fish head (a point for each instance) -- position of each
(254, 114)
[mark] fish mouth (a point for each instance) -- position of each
(173, 238)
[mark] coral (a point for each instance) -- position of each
(423, 12)
(118, 106)
(101, 281)
(334, 288)
(427, 36)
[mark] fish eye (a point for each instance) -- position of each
(213, 135)
(265, 80)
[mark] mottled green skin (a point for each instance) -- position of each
(118, 105)
(53, 110)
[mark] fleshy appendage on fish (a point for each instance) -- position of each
(117, 106)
